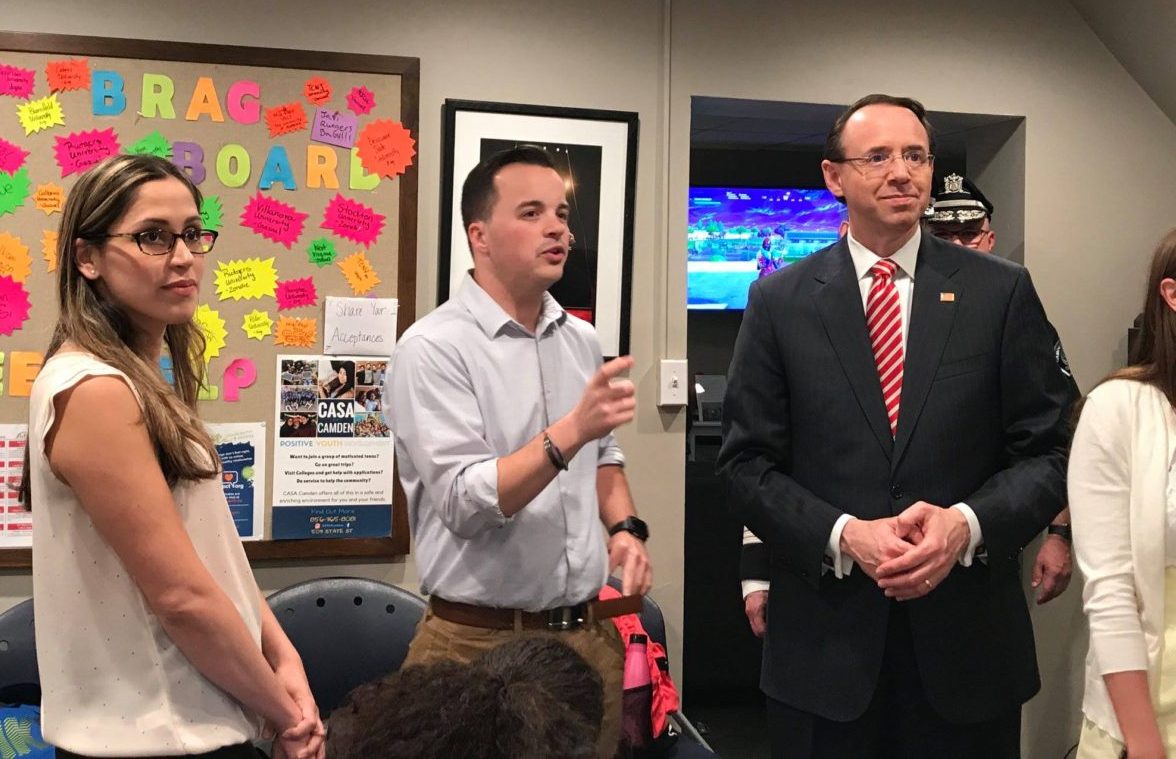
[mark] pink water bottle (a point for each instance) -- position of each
(636, 663)
(637, 700)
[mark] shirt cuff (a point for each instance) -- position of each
(842, 565)
(751, 586)
(975, 537)
(480, 492)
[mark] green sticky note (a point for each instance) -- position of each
(321, 252)
(153, 144)
(14, 190)
(211, 212)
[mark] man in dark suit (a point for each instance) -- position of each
(895, 429)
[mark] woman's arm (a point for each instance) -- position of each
(99, 447)
(1133, 709)
(287, 666)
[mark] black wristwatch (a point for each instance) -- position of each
(1062, 530)
(633, 525)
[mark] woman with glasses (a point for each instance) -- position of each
(1122, 485)
(152, 636)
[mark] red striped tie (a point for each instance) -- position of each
(885, 322)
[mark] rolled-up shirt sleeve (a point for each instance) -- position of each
(440, 429)
(610, 453)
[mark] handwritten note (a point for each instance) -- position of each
(211, 212)
(245, 278)
(321, 252)
(295, 293)
(273, 219)
(17, 82)
(284, 119)
(79, 151)
(213, 326)
(49, 198)
(153, 144)
(12, 157)
(317, 90)
(38, 115)
(360, 326)
(296, 332)
(359, 273)
(14, 190)
(386, 148)
(334, 128)
(14, 258)
(257, 324)
(14, 305)
(353, 220)
(49, 249)
(361, 100)
(68, 75)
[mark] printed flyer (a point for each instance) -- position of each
(241, 447)
(16, 524)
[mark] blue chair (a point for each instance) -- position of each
(348, 631)
(20, 679)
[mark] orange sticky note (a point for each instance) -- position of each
(947, 297)
(359, 272)
(296, 332)
(317, 90)
(14, 258)
(68, 75)
(386, 148)
(23, 367)
(49, 248)
(284, 119)
(49, 198)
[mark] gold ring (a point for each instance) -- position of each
(929, 585)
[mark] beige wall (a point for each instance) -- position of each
(1100, 167)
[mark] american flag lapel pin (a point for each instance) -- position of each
(947, 297)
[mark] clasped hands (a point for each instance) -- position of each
(908, 555)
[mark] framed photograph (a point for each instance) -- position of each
(596, 153)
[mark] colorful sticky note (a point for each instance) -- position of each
(361, 100)
(317, 90)
(79, 151)
(334, 128)
(211, 212)
(153, 144)
(49, 248)
(295, 293)
(38, 115)
(49, 198)
(284, 119)
(12, 157)
(386, 148)
(353, 220)
(14, 305)
(273, 219)
(17, 82)
(14, 189)
(296, 332)
(240, 372)
(257, 324)
(359, 273)
(14, 258)
(321, 252)
(68, 75)
(245, 278)
(213, 326)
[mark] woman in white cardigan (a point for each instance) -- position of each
(1122, 489)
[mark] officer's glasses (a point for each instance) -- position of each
(962, 235)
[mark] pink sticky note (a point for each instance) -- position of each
(79, 151)
(11, 156)
(295, 293)
(334, 128)
(361, 100)
(17, 82)
(240, 373)
(273, 219)
(14, 305)
(353, 220)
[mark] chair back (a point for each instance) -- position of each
(348, 630)
(650, 616)
(20, 680)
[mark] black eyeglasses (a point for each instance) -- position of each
(965, 236)
(161, 242)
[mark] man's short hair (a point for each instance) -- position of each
(835, 151)
(478, 194)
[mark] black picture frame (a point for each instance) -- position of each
(596, 148)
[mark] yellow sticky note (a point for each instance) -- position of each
(359, 273)
(246, 278)
(37, 115)
(257, 324)
(213, 326)
(49, 248)
(296, 332)
(49, 198)
(14, 258)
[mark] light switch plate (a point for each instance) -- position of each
(673, 389)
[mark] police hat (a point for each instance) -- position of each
(959, 201)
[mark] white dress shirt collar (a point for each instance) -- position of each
(906, 257)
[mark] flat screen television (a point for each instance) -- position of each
(737, 234)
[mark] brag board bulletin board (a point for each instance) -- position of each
(310, 157)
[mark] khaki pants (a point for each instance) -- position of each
(599, 643)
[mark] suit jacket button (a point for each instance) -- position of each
(895, 492)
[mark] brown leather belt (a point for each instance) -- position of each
(560, 618)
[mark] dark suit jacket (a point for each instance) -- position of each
(983, 419)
